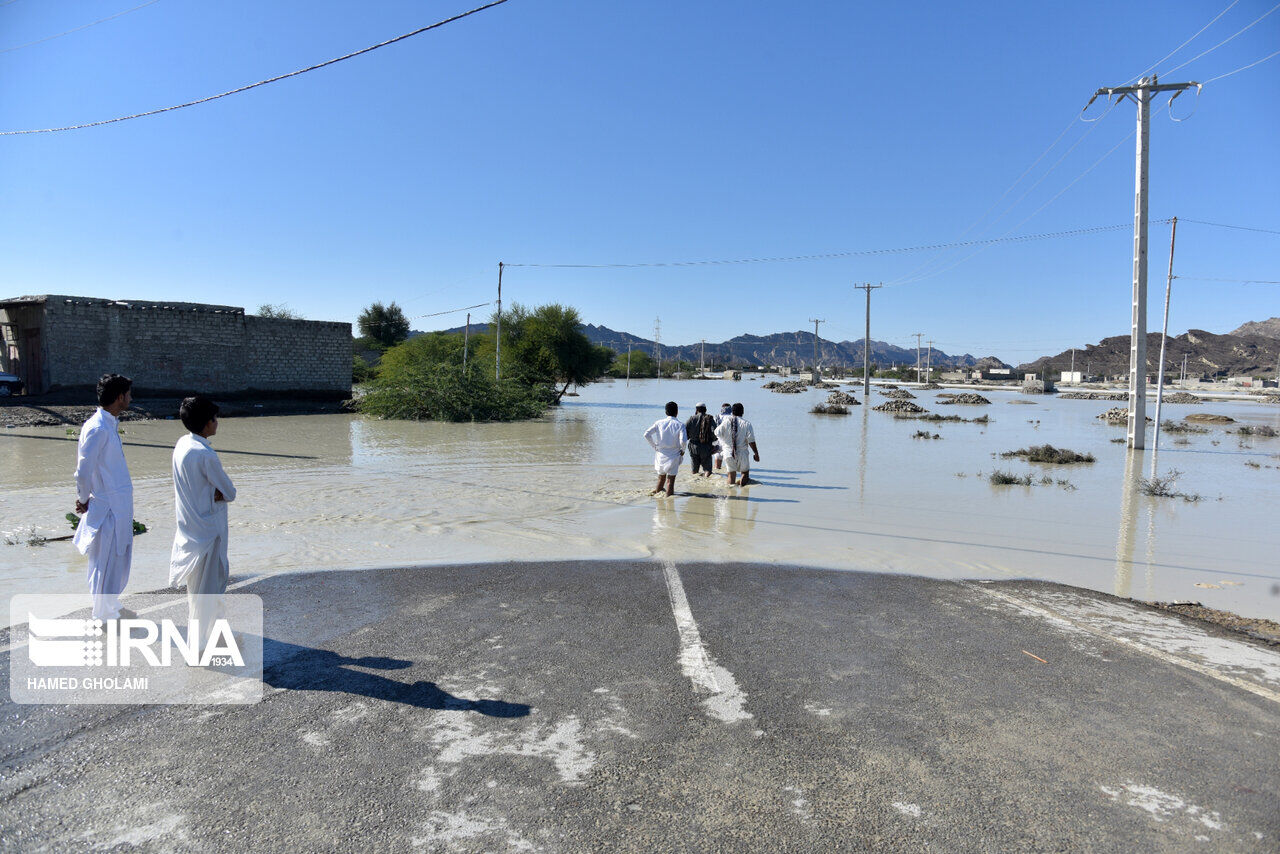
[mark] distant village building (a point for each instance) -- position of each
(64, 342)
(1071, 377)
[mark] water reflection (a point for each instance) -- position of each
(1128, 524)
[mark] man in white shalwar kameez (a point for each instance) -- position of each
(201, 491)
(738, 444)
(667, 437)
(104, 498)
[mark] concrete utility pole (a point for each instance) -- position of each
(928, 365)
(866, 341)
(815, 345)
(628, 364)
(657, 346)
(1073, 364)
(918, 335)
(702, 359)
(1142, 94)
(1164, 335)
(497, 339)
(1182, 381)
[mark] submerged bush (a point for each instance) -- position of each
(445, 392)
(1006, 478)
(1049, 454)
(1162, 486)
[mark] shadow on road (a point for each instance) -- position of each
(301, 668)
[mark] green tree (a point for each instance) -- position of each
(642, 365)
(280, 310)
(547, 346)
(386, 325)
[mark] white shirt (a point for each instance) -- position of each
(667, 435)
(103, 482)
(746, 435)
(202, 522)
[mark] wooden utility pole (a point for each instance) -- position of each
(1164, 335)
(866, 341)
(815, 346)
(466, 337)
(497, 338)
(1142, 94)
(918, 335)
(702, 359)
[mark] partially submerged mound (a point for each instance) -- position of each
(1095, 395)
(1118, 416)
(1208, 418)
(1181, 397)
(899, 394)
(931, 385)
(900, 406)
(789, 387)
(842, 398)
(830, 409)
(971, 399)
(1049, 454)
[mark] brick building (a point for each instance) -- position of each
(57, 342)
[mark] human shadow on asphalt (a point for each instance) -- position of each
(302, 668)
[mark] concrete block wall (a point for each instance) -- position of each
(184, 347)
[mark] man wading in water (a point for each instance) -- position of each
(701, 429)
(667, 437)
(737, 436)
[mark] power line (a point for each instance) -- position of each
(1238, 227)
(1156, 64)
(452, 310)
(847, 254)
(78, 29)
(1237, 281)
(1244, 68)
(1224, 41)
(278, 78)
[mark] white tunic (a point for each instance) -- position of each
(667, 437)
(736, 435)
(202, 522)
(103, 482)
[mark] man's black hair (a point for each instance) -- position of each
(672, 408)
(723, 405)
(196, 412)
(110, 387)
(701, 407)
(738, 410)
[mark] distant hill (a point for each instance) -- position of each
(794, 349)
(1207, 353)
(1265, 328)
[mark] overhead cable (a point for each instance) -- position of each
(1224, 225)
(453, 310)
(1156, 64)
(78, 29)
(847, 254)
(1244, 68)
(1237, 281)
(1224, 41)
(278, 78)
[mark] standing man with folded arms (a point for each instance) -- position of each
(104, 498)
(201, 490)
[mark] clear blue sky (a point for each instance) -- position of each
(567, 131)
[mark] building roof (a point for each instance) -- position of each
(122, 303)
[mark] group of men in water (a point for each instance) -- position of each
(726, 440)
(104, 500)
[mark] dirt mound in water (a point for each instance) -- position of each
(971, 399)
(1182, 397)
(901, 406)
(899, 394)
(1208, 418)
(789, 387)
(1094, 395)
(931, 385)
(830, 409)
(1118, 416)
(842, 398)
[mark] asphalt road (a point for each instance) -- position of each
(636, 706)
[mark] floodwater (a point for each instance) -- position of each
(854, 492)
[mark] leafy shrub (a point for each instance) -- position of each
(1005, 478)
(444, 392)
(1049, 454)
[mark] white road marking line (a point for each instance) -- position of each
(727, 701)
(1169, 658)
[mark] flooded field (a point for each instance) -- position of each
(854, 492)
